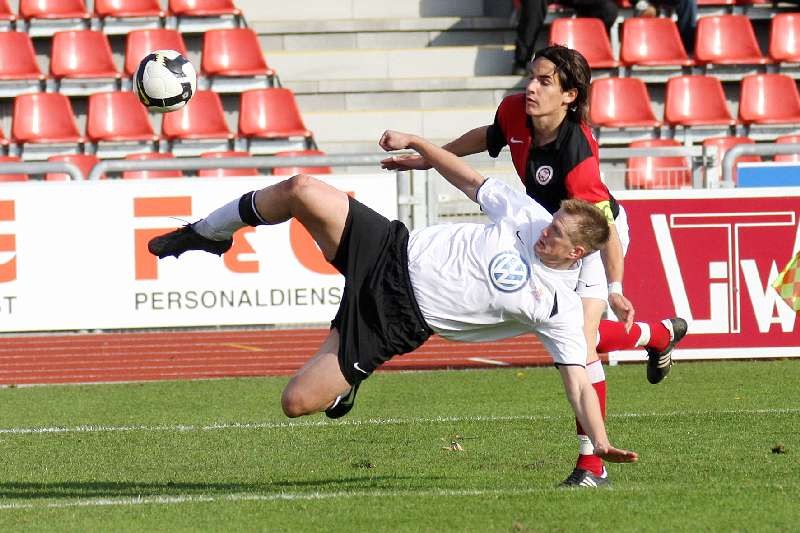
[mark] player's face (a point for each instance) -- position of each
(554, 247)
(543, 94)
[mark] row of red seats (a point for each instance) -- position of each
(86, 54)
(694, 100)
(86, 162)
(62, 9)
(720, 40)
(43, 118)
(669, 172)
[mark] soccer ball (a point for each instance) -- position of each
(165, 81)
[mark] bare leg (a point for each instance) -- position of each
(320, 207)
(317, 384)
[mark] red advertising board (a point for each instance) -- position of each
(710, 257)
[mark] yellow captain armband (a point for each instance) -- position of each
(605, 207)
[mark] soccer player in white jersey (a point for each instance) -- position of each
(467, 282)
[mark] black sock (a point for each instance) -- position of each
(248, 212)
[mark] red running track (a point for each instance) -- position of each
(117, 357)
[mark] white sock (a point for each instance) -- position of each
(644, 338)
(222, 223)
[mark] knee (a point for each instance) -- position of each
(293, 403)
(299, 185)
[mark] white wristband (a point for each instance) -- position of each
(615, 287)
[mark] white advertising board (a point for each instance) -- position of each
(73, 256)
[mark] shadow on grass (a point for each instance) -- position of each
(120, 489)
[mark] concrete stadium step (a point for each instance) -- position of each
(437, 62)
(367, 9)
(293, 35)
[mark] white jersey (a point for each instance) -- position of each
(480, 282)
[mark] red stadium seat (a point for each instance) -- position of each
(271, 114)
(226, 172)
(200, 124)
(47, 120)
(658, 172)
(234, 53)
(142, 42)
(788, 158)
(6, 13)
(291, 171)
(149, 174)
(586, 35)
(769, 99)
(784, 41)
(85, 162)
(652, 42)
(12, 177)
(203, 15)
(128, 8)
(723, 144)
(82, 55)
(45, 17)
(696, 100)
(118, 119)
(18, 64)
(727, 40)
(621, 103)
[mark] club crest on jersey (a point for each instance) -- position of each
(508, 272)
(544, 174)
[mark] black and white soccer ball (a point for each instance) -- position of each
(165, 81)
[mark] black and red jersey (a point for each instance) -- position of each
(568, 167)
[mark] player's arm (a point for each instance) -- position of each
(614, 264)
(472, 142)
(583, 398)
(449, 165)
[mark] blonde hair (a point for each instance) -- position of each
(591, 230)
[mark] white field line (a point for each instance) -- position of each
(366, 422)
(282, 496)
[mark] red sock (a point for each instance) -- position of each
(592, 462)
(613, 336)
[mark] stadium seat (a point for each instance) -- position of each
(272, 115)
(149, 174)
(203, 15)
(232, 61)
(43, 124)
(200, 124)
(698, 101)
(784, 38)
(723, 144)
(586, 35)
(727, 40)
(769, 99)
(7, 16)
(45, 17)
(82, 62)
(652, 41)
(788, 158)
(291, 171)
(85, 162)
(657, 172)
(123, 16)
(19, 69)
(117, 123)
(226, 172)
(622, 103)
(139, 43)
(12, 177)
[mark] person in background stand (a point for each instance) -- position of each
(685, 10)
(556, 156)
(532, 14)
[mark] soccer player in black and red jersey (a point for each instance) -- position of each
(556, 156)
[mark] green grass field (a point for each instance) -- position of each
(219, 455)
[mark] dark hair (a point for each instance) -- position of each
(573, 72)
(592, 229)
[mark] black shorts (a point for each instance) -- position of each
(378, 316)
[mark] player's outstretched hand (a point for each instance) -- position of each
(616, 455)
(405, 162)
